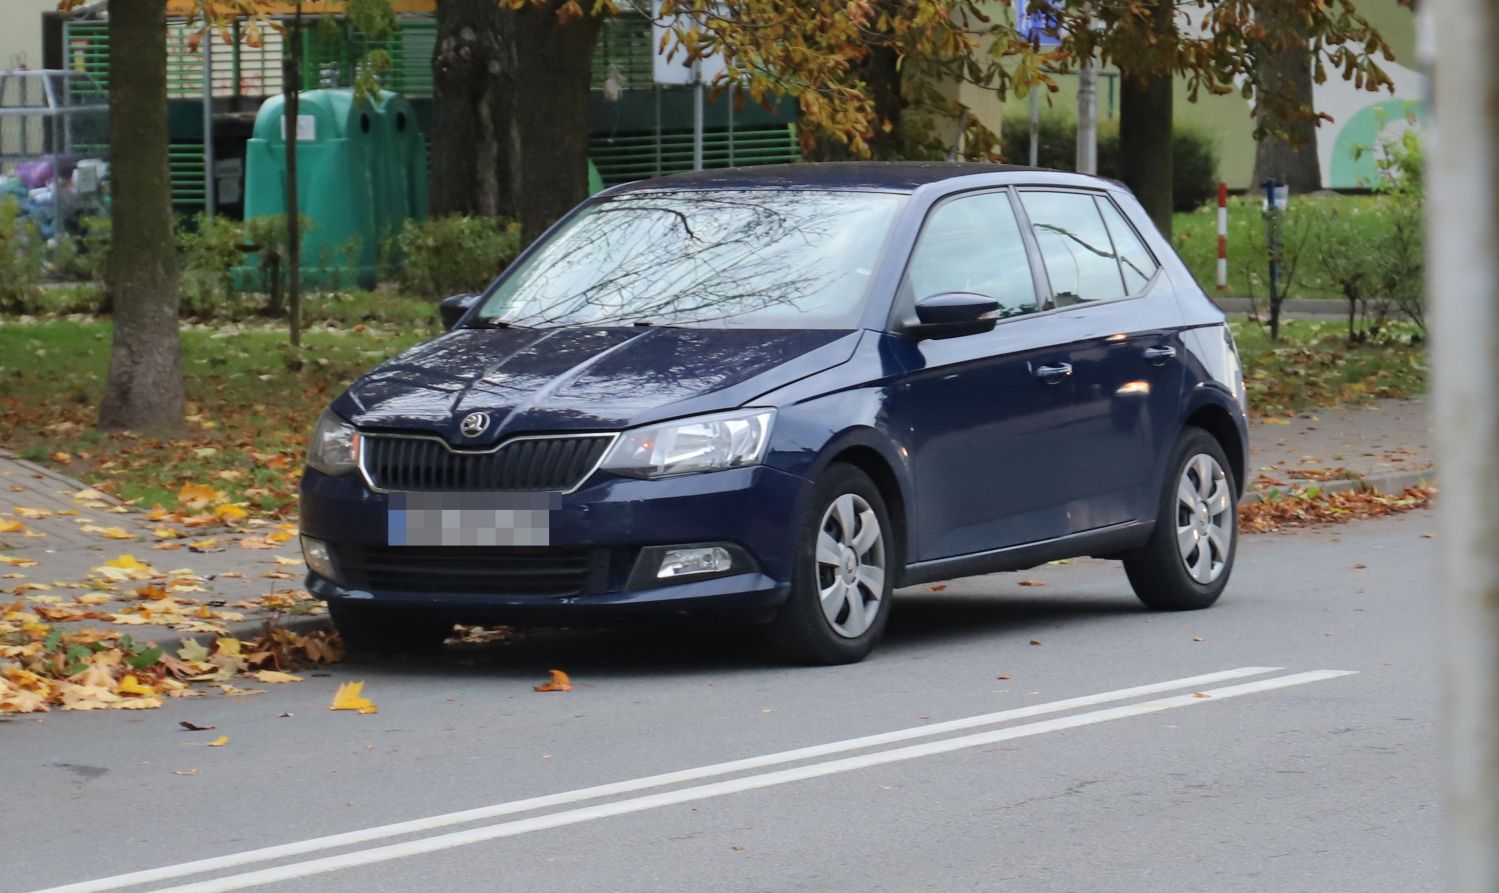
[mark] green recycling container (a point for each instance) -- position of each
(361, 174)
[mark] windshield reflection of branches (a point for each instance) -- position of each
(701, 257)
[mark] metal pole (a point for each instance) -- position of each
(1462, 248)
(697, 115)
(210, 204)
(1035, 127)
(1087, 119)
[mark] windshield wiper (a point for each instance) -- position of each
(492, 324)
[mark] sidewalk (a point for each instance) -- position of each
(1386, 445)
(79, 559)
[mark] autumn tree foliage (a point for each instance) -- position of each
(820, 52)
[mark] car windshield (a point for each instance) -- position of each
(750, 259)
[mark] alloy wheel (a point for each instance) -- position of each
(1204, 529)
(850, 565)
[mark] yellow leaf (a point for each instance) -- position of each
(12, 527)
(128, 562)
(219, 741)
(275, 676)
(114, 533)
(33, 514)
(350, 697)
(197, 493)
(13, 561)
(559, 682)
(229, 646)
(89, 493)
(230, 512)
(132, 686)
(165, 533)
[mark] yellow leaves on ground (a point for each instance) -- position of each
(13, 561)
(558, 682)
(91, 669)
(350, 696)
(114, 533)
(219, 741)
(7, 526)
(128, 562)
(197, 493)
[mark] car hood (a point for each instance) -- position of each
(583, 378)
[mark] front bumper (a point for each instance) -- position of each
(596, 539)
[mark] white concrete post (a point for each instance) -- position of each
(1463, 286)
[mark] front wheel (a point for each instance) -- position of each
(1190, 555)
(842, 577)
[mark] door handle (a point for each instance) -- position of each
(1156, 356)
(1053, 374)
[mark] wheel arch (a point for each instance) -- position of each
(862, 449)
(1216, 419)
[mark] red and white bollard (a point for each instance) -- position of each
(1223, 237)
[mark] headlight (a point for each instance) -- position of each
(705, 443)
(335, 445)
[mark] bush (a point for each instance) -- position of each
(1194, 155)
(444, 256)
(208, 251)
(21, 257)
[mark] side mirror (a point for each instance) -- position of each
(452, 309)
(953, 314)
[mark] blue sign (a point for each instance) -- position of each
(1038, 23)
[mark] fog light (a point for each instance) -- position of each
(319, 558)
(685, 562)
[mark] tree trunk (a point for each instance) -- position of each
(470, 92)
(552, 63)
(1145, 107)
(1287, 153)
(144, 388)
(1145, 143)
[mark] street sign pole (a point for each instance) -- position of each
(697, 115)
(1087, 118)
(1463, 284)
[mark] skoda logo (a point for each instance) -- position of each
(474, 424)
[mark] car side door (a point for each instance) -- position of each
(1119, 317)
(978, 413)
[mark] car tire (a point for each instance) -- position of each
(842, 575)
(373, 629)
(1190, 554)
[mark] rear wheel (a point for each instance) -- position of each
(841, 579)
(376, 629)
(1190, 555)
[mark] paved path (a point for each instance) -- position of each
(78, 533)
(1385, 437)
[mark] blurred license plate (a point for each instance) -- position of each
(471, 519)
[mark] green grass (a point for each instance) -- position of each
(1195, 235)
(251, 402)
(1313, 365)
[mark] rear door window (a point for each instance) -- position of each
(1075, 246)
(973, 244)
(1135, 261)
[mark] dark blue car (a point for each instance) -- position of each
(781, 393)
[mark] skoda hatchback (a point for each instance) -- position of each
(781, 393)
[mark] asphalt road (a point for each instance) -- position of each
(1093, 762)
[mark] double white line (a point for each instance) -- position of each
(696, 789)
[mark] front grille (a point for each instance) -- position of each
(474, 569)
(544, 463)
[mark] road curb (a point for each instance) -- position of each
(1395, 483)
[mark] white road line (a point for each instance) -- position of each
(440, 842)
(430, 823)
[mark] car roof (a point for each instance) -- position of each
(892, 176)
